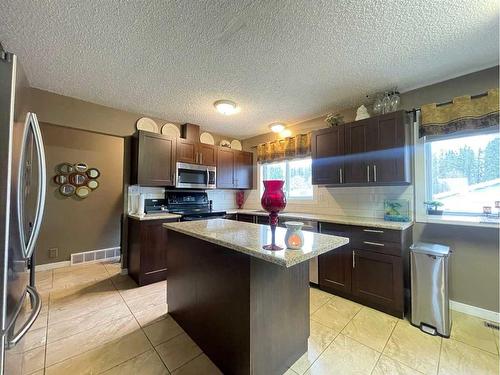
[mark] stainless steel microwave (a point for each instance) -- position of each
(194, 176)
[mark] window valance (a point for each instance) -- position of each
(285, 149)
(464, 113)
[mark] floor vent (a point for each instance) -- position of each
(94, 256)
(492, 325)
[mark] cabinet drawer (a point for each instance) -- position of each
(335, 229)
(382, 247)
(246, 218)
(377, 234)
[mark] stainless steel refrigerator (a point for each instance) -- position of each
(22, 199)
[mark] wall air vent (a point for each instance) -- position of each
(492, 325)
(94, 256)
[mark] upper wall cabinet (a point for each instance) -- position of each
(196, 153)
(153, 159)
(234, 169)
(373, 151)
(328, 151)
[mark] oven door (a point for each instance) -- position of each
(192, 176)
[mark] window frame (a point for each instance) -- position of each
(305, 199)
(423, 188)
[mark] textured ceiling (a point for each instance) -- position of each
(279, 60)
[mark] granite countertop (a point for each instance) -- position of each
(337, 219)
(162, 216)
(249, 238)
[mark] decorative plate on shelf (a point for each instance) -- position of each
(225, 143)
(171, 130)
(236, 144)
(207, 138)
(146, 124)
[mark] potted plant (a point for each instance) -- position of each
(334, 119)
(432, 207)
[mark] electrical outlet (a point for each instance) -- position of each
(54, 252)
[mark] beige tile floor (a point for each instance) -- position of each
(96, 321)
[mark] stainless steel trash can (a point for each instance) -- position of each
(430, 303)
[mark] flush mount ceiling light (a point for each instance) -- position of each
(277, 127)
(226, 107)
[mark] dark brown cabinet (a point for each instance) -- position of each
(196, 153)
(392, 162)
(328, 162)
(187, 151)
(247, 218)
(208, 154)
(234, 169)
(358, 152)
(373, 151)
(335, 267)
(147, 250)
(153, 159)
(243, 162)
(370, 269)
(225, 168)
(378, 279)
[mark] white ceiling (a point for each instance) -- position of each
(279, 60)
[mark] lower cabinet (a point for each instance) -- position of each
(246, 218)
(335, 271)
(147, 250)
(371, 275)
(378, 279)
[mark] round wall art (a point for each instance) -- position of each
(76, 180)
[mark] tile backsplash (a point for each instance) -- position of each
(346, 201)
(222, 199)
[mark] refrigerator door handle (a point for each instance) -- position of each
(32, 122)
(36, 302)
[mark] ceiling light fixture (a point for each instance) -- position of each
(277, 127)
(226, 107)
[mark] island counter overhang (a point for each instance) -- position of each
(247, 308)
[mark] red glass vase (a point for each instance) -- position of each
(273, 201)
(240, 198)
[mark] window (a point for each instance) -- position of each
(297, 176)
(463, 173)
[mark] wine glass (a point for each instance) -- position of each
(395, 100)
(377, 104)
(386, 103)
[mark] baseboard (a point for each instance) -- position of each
(475, 311)
(51, 266)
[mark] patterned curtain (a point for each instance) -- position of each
(285, 149)
(464, 113)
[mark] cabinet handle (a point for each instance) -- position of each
(367, 173)
(341, 179)
(201, 158)
(373, 230)
(353, 259)
(373, 243)
(374, 173)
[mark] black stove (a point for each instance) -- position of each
(192, 205)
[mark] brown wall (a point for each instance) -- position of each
(474, 266)
(74, 113)
(70, 224)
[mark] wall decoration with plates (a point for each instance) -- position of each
(76, 179)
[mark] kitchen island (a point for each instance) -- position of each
(247, 308)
